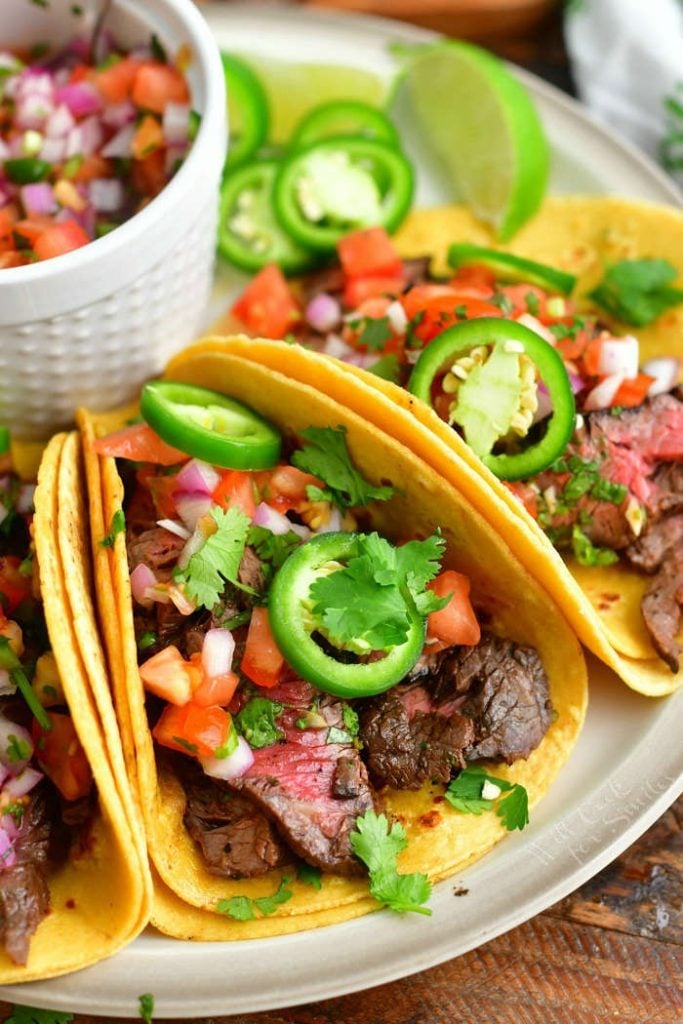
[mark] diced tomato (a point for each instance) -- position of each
(262, 662)
(416, 299)
(284, 488)
(456, 622)
(236, 490)
(162, 487)
(358, 289)
(267, 306)
(149, 174)
(93, 166)
(591, 357)
(139, 443)
(441, 403)
(525, 495)
(369, 252)
(633, 392)
(477, 280)
(148, 137)
(8, 217)
(11, 259)
(195, 730)
(169, 676)
(61, 756)
(157, 84)
(80, 72)
(14, 587)
(32, 228)
(527, 298)
(441, 307)
(213, 690)
(573, 347)
(116, 81)
(59, 239)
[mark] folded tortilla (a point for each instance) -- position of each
(440, 841)
(100, 896)
(576, 234)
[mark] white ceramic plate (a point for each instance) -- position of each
(627, 767)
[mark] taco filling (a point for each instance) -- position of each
(546, 394)
(47, 798)
(296, 662)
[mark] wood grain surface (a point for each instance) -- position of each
(612, 951)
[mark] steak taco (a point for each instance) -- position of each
(339, 688)
(72, 884)
(556, 381)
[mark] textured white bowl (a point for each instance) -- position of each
(88, 327)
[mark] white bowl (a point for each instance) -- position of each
(89, 327)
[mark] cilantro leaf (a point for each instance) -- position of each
(146, 1002)
(350, 719)
(309, 875)
(256, 722)
(242, 908)
(218, 560)
(326, 456)
(638, 291)
(29, 1015)
(375, 333)
(466, 794)
(378, 846)
(118, 525)
(272, 549)
(366, 606)
(586, 553)
(387, 368)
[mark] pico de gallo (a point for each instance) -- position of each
(46, 786)
(278, 634)
(545, 392)
(85, 143)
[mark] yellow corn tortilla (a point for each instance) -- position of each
(440, 841)
(100, 896)
(581, 235)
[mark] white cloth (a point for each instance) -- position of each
(627, 59)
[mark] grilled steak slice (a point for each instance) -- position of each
(661, 606)
(407, 745)
(236, 839)
(157, 548)
(311, 789)
(24, 892)
(651, 548)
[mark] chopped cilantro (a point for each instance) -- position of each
(118, 525)
(72, 165)
(461, 312)
(146, 1002)
(326, 456)
(157, 49)
(375, 332)
(532, 303)
(503, 303)
(638, 291)
(366, 606)
(387, 368)
(586, 553)
(243, 908)
(272, 549)
(17, 749)
(411, 338)
(309, 875)
(29, 1015)
(465, 794)
(191, 748)
(146, 640)
(256, 722)
(218, 560)
(16, 811)
(378, 846)
(194, 124)
(350, 720)
(562, 331)
(616, 410)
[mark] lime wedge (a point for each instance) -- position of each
(482, 124)
(293, 89)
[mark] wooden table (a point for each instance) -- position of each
(612, 951)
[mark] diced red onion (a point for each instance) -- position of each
(575, 382)
(121, 144)
(23, 783)
(106, 194)
(9, 825)
(25, 497)
(38, 199)
(92, 136)
(334, 523)
(7, 687)
(4, 151)
(545, 406)
(53, 150)
(619, 356)
(7, 854)
(116, 115)
(323, 312)
(74, 142)
(82, 98)
(174, 527)
(33, 110)
(336, 347)
(603, 393)
(197, 477)
(271, 520)
(191, 507)
(60, 122)
(231, 767)
(361, 359)
(141, 580)
(535, 325)
(397, 317)
(665, 373)
(22, 736)
(4, 774)
(176, 122)
(217, 652)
